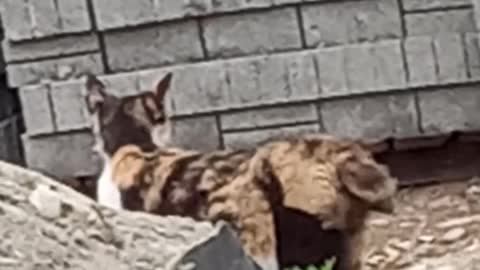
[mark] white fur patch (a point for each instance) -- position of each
(107, 193)
(267, 263)
(162, 134)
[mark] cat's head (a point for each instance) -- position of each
(136, 119)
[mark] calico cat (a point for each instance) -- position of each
(116, 121)
(288, 174)
(335, 180)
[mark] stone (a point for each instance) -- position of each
(458, 221)
(199, 133)
(60, 46)
(392, 254)
(379, 222)
(153, 46)
(417, 5)
(52, 154)
(450, 58)
(375, 260)
(251, 33)
(442, 202)
(46, 202)
(372, 117)
(249, 81)
(433, 23)
(33, 20)
(420, 60)
(426, 238)
(46, 70)
(246, 139)
(453, 235)
(447, 110)
(36, 110)
(406, 224)
(403, 245)
(335, 23)
(270, 116)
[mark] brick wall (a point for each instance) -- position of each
(245, 70)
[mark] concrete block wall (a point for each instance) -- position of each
(245, 70)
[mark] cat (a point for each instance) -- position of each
(343, 205)
(117, 121)
(335, 180)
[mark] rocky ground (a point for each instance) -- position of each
(435, 227)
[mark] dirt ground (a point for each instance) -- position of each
(434, 227)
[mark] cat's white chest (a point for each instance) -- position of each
(107, 193)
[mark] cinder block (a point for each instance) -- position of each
(472, 44)
(10, 143)
(433, 23)
(371, 117)
(221, 85)
(417, 5)
(198, 133)
(331, 71)
(450, 58)
(62, 155)
(447, 110)
(374, 67)
(340, 22)
(288, 114)
(25, 20)
(69, 106)
(153, 46)
(420, 60)
(36, 110)
(60, 46)
(56, 69)
(246, 139)
(252, 33)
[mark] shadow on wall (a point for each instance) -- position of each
(11, 121)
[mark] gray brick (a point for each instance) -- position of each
(252, 33)
(450, 57)
(198, 88)
(69, 106)
(331, 71)
(342, 22)
(374, 67)
(432, 23)
(61, 46)
(411, 5)
(420, 60)
(62, 155)
(122, 84)
(37, 19)
(246, 139)
(243, 82)
(120, 13)
(10, 144)
(36, 109)
(472, 44)
(56, 69)
(199, 133)
(372, 117)
(449, 110)
(269, 116)
(153, 46)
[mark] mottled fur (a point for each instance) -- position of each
(335, 180)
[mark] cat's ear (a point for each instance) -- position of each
(127, 164)
(162, 87)
(95, 92)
